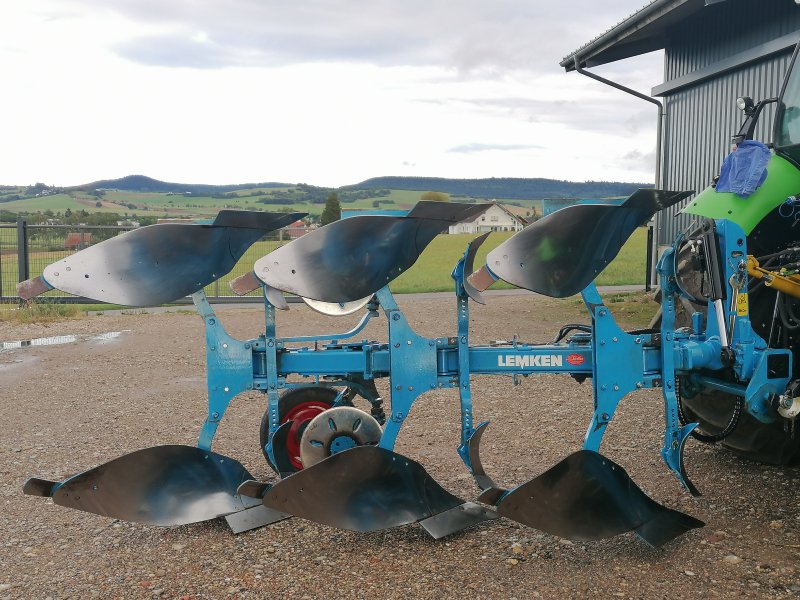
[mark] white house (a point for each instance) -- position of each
(496, 218)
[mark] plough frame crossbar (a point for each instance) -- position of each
(417, 364)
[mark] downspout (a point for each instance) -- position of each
(659, 128)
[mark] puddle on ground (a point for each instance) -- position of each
(58, 340)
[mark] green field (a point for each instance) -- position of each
(430, 273)
(177, 205)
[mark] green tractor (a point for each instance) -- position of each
(770, 216)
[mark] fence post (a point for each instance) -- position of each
(22, 249)
(648, 277)
(1, 269)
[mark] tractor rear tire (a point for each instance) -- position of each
(752, 439)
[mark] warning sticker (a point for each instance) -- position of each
(742, 305)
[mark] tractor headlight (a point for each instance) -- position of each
(744, 103)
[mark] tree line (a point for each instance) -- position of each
(503, 187)
(77, 217)
(319, 195)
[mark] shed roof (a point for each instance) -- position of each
(644, 31)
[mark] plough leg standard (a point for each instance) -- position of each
(336, 463)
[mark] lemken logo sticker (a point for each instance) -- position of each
(575, 359)
(528, 360)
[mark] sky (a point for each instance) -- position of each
(325, 92)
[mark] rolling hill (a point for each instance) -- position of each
(495, 187)
(147, 197)
(142, 183)
(504, 187)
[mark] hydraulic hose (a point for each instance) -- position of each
(707, 438)
(789, 318)
(691, 297)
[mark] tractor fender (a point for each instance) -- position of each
(783, 180)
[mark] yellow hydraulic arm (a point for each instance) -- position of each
(782, 281)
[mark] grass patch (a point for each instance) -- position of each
(431, 273)
(628, 268)
(633, 309)
(40, 312)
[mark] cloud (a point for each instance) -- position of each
(478, 147)
(177, 52)
(248, 90)
(611, 113)
(472, 37)
(638, 160)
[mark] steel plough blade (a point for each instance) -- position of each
(490, 491)
(589, 497)
(158, 263)
(469, 261)
(458, 518)
(366, 488)
(353, 258)
(162, 485)
(562, 253)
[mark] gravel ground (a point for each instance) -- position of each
(70, 407)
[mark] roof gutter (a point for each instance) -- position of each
(612, 35)
(644, 97)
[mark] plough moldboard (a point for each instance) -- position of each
(336, 464)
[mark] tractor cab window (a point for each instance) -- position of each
(787, 119)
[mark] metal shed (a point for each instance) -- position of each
(714, 52)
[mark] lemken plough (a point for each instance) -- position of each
(336, 464)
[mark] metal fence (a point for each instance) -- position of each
(25, 250)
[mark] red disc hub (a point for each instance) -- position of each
(300, 415)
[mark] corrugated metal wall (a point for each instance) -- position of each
(701, 118)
